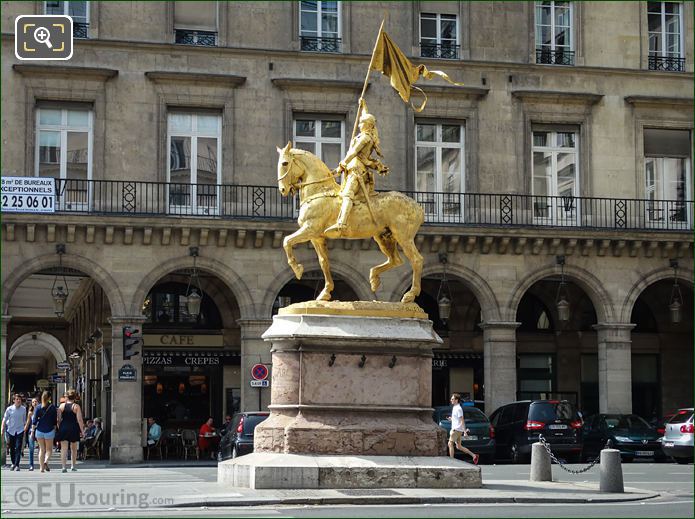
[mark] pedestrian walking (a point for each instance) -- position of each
(29, 432)
(458, 429)
(45, 420)
(13, 423)
(70, 429)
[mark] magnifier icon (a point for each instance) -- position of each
(42, 35)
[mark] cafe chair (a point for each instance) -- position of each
(171, 442)
(93, 446)
(189, 441)
(156, 446)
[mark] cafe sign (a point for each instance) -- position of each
(176, 340)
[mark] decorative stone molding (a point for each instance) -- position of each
(557, 97)
(317, 84)
(194, 78)
(658, 101)
(64, 72)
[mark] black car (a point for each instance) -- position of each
(519, 424)
(239, 437)
(629, 433)
(481, 438)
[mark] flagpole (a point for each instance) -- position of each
(366, 81)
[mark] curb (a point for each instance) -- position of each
(404, 500)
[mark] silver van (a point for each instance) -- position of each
(678, 437)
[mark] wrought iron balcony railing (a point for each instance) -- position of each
(191, 37)
(666, 63)
(80, 30)
(123, 197)
(555, 57)
(439, 50)
(311, 44)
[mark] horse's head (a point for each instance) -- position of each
(287, 181)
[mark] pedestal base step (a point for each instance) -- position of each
(269, 470)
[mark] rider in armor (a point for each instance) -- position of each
(358, 166)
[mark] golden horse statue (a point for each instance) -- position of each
(395, 220)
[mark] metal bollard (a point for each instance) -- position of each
(611, 471)
(541, 470)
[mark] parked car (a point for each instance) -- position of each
(660, 424)
(481, 436)
(678, 438)
(239, 438)
(519, 424)
(629, 433)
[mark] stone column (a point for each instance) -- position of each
(499, 339)
(614, 367)
(4, 351)
(254, 350)
(126, 401)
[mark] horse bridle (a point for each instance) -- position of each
(293, 186)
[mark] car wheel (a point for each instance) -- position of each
(234, 453)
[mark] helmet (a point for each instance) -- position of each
(368, 118)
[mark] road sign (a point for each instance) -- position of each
(127, 372)
(63, 366)
(260, 383)
(259, 372)
(58, 379)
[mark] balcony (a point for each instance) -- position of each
(554, 57)
(311, 44)
(439, 50)
(191, 37)
(80, 30)
(130, 198)
(667, 63)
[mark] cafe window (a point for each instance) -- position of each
(166, 307)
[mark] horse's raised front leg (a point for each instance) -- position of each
(322, 253)
(388, 246)
(302, 235)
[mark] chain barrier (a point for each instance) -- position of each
(562, 465)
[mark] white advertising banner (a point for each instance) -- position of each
(28, 195)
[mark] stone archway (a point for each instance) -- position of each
(684, 275)
(45, 340)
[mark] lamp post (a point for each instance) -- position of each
(676, 302)
(563, 306)
(59, 294)
(444, 294)
(194, 296)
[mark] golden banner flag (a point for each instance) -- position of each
(390, 61)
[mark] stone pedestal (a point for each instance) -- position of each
(351, 385)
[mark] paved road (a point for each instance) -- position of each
(143, 491)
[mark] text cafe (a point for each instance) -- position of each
(188, 378)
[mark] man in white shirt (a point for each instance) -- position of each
(458, 429)
(13, 422)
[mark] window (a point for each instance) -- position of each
(535, 376)
(440, 169)
(319, 26)
(555, 176)
(195, 23)
(194, 168)
(64, 152)
(79, 11)
(665, 22)
(667, 175)
(554, 39)
(322, 137)
(439, 36)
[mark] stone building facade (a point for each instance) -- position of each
(571, 137)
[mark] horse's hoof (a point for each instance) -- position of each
(325, 295)
(375, 283)
(408, 298)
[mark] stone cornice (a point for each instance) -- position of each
(456, 91)
(316, 83)
(557, 96)
(196, 78)
(660, 101)
(62, 71)
(258, 234)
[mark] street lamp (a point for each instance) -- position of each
(563, 306)
(676, 301)
(59, 294)
(444, 294)
(194, 296)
